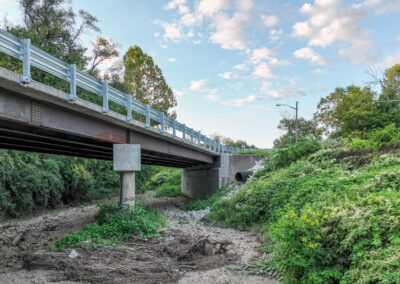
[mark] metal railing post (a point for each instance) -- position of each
(147, 116)
(162, 123)
(129, 109)
(191, 136)
(198, 138)
(105, 97)
(174, 128)
(72, 83)
(183, 132)
(26, 67)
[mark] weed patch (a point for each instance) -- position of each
(114, 224)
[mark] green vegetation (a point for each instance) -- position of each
(30, 181)
(200, 204)
(330, 217)
(166, 182)
(114, 224)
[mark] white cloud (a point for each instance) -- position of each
(227, 75)
(269, 20)
(197, 85)
(171, 31)
(390, 60)
(171, 59)
(229, 31)
(180, 5)
(275, 35)
(280, 92)
(262, 70)
(245, 5)
(210, 7)
(242, 101)
(328, 23)
(309, 54)
(240, 67)
(260, 54)
(212, 96)
(189, 20)
(380, 6)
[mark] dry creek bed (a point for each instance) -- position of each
(188, 252)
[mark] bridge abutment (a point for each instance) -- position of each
(127, 161)
(200, 182)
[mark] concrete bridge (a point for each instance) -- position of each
(36, 117)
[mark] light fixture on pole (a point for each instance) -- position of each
(296, 109)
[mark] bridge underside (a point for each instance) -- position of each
(23, 138)
(53, 125)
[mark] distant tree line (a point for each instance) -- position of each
(350, 112)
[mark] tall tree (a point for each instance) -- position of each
(147, 82)
(103, 49)
(347, 110)
(53, 26)
(306, 129)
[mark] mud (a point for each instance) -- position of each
(188, 252)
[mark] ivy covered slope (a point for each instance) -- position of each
(329, 213)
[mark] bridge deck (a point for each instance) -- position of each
(39, 118)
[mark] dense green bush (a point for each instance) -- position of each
(281, 158)
(30, 181)
(166, 182)
(323, 221)
(386, 137)
(355, 242)
(114, 224)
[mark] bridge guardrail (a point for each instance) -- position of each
(33, 56)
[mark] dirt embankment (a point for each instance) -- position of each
(188, 252)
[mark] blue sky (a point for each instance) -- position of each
(230, 62)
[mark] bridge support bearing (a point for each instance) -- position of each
(200, 182)
(127, 161)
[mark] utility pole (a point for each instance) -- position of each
(296, 109)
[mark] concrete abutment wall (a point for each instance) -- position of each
(201, 182)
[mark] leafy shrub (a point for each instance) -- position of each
(114, 224)
(31, 181)
(166, 182)
(356, 242)
(386, 137)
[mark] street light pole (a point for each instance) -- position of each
(297, 122)
(296, 109)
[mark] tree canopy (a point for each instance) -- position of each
(306, 129)
(147, 82)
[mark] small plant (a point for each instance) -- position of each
(114, 224)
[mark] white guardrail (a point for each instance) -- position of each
(33, 56)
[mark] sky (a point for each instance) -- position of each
(229, 62)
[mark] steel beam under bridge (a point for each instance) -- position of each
(39, 118)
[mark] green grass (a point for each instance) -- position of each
(200, 204)
(168, 190)
(112, 225)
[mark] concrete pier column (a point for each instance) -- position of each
(127, 161)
